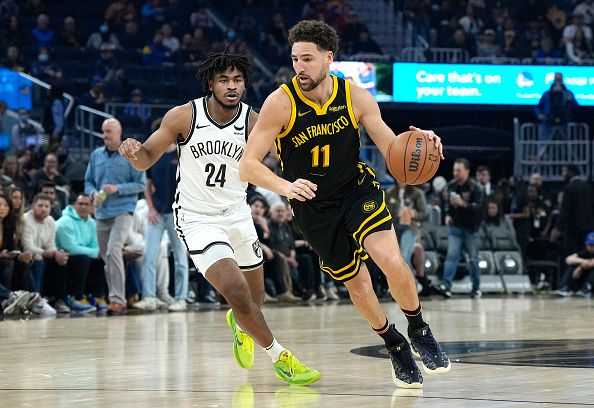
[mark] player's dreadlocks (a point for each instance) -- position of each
(221, 62)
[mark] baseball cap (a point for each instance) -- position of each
(590, 238)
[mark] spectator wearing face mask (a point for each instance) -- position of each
(45, 69)
(104, 35)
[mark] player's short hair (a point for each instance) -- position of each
(482, 168)
(317, 32)
(219, 63)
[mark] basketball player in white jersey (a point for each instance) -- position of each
(211, 215)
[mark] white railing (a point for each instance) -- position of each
(413, 54)
(69, 98)
(87, 122)
(495, 60)
(547, 149)
(117, 108)
(448, 55)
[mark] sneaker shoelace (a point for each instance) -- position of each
(295, 365)
(428, 341)
(408, 359)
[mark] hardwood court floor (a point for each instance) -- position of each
(506, 352)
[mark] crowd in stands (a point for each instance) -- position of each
(550, 32)
(94, 57)
(50, 250)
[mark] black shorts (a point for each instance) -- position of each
(336, 231)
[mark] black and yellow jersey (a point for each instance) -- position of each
(321, 143)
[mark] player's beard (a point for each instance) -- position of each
(226, 105)
(309, 86)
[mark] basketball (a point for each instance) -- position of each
(412, 158)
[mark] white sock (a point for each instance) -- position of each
(237, 326)
(274, 350)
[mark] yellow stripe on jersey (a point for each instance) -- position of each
(347, 85)
(353, 267)
(320, 110)
(277, 142)
(371, 217)
(293, 114)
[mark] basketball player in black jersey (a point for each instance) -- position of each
(225, 78)
(339, 207)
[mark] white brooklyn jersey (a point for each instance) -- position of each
(208, 170)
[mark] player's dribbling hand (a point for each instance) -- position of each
(432, 136)
(128, 148)
(301, 190)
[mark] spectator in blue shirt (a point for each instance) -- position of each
(114, 186)
(156, 53)
(43, 36)
(152, 13)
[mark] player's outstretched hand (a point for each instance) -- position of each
(128, 148)
(432, 136)
(301, 190)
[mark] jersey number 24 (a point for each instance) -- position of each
(219, 178)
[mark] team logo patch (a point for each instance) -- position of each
(256, 248)
(369, 206)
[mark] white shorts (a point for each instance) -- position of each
(228, 234)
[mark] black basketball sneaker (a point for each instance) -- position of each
(405, 372)
(424, 345)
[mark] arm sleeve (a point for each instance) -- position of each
(135, 185)
(28, 240)
(476, 200)
(58, 116)
(564, 212)
(90, 186)
(539, 109)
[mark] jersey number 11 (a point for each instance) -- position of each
(315, 156)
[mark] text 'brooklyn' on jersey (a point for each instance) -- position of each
(208, 171)
(321, 143)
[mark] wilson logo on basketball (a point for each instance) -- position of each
(369, 206)
(415, 155)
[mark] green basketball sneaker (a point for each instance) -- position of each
(243, 345)
(291, 370)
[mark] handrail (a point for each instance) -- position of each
(111, 107)
(47, 86)
(84, 123)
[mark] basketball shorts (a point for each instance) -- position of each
(336, 231)
(226, 234)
